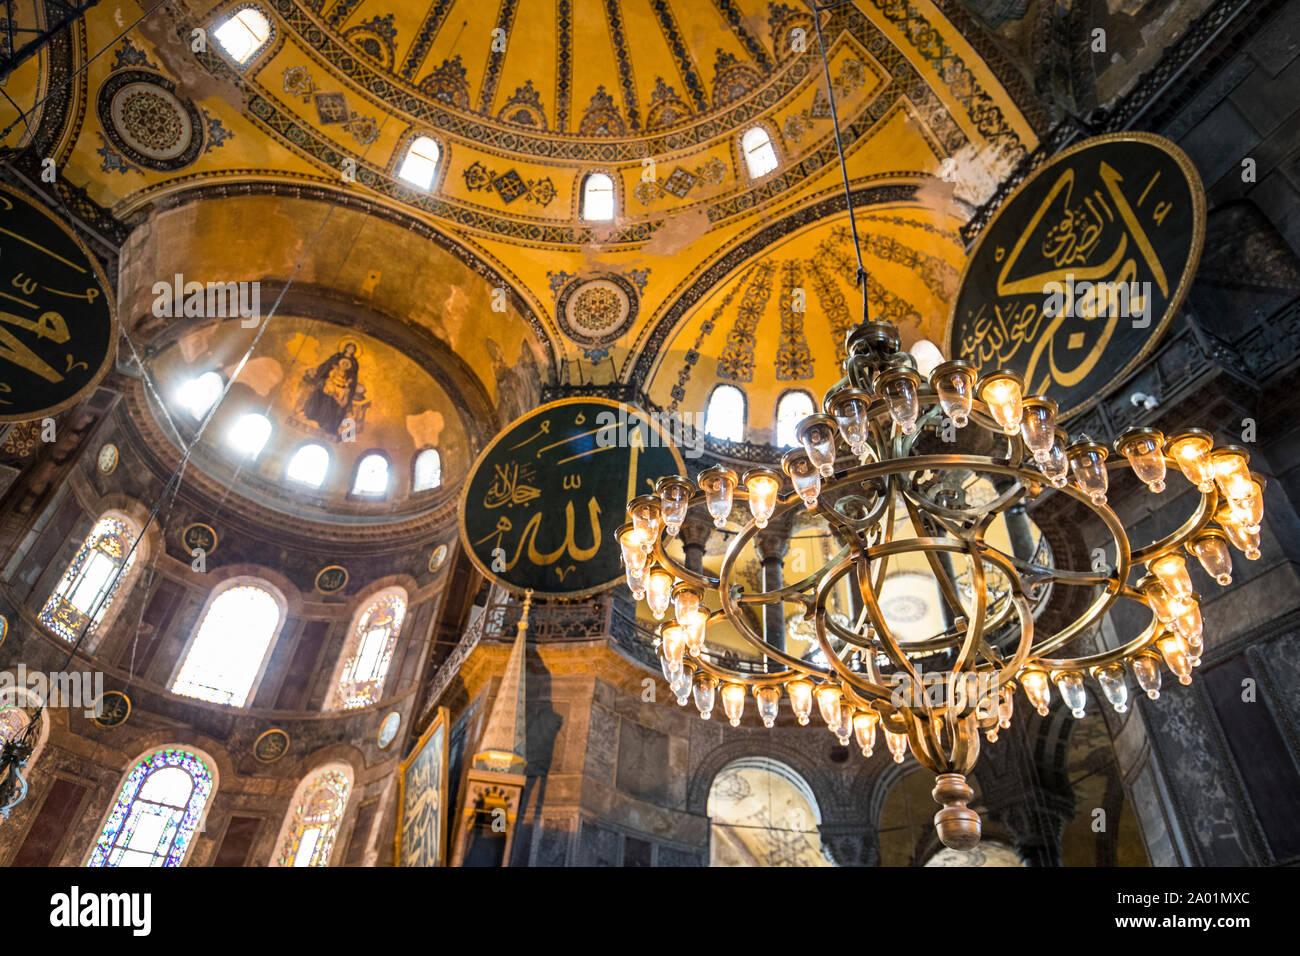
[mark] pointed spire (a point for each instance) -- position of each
(502, 747)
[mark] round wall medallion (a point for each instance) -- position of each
(332, 579)
(4, 629)
(112, 709)
(107, 459)
(596, 311)
(149, 123)
(439, 555)
(388, 729)
(199, 537)
(271, 745)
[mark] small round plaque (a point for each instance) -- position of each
(200, 537)
(332, 579)
(271, 745)
(388, 729)
(112, 709)
(107, 458)
(439, 555)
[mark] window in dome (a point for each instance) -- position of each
(91, 581)
(157, 813)
(428, 470)
(372, 476)
(309, 465)
(760, 155)
(369, 650)
(598, 198)
(314, 817)
(421, 163)
(250, 434)
(198, 395)
(793, 408)
(724, 417)
(226, 656)
(243, 34)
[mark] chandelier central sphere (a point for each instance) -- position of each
(876, 470)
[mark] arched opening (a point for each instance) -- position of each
(243, 34)
(315, 813)
(724, 415)
(427, 471)
(369, 650)
(793, 407)
(762, 813)
(94, 578)
(157, 812)
(250, 434)
(371, 480)
(760, 154)
(197, 395)
(420, 165)
(227, 654)
(309, 465)
(598, 198)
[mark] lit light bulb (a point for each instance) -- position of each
(1165, 605)
(864, 730)
(1088, 460)
(850, 408)
(693, 625)
(900, 386)
(1006, 705)
(801, 697)
(763, 485)
(674, 494)
(1057, 466)
(646, 520)
(1243, 540)
(769, 703)
(1038, 427)
(804, 474)
(1072, 693)
(658, 587)
(672, 670)
(897, 744)
(631, 543)
(1146, 668)
(1249, 511)
(686, 600)
(1003, 392)
(955, 384)
(1037, 688)
(636, 582)
(1144, 449)
(828, 703)
(1211, 548)
(817, 435)
(673, 644)
(1191, 449)
(718, 484)
(733, 702)
(1114, 686)
(705, 690)
(1174, 650)
(1171, 569)
(1231, 473)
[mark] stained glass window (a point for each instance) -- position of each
(91, 581)
(369, 650)
(316, 814)
(227, 653)
(428, 470)
(156, 812)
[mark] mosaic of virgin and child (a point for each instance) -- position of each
(331, 398)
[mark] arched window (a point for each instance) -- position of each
(927, 355)
(157, 812)
(420, 164)
(250, 434)
(724, 416)
(793, 408)
(760, 154)
(598, 198)
(309, 465)
(307, 837)
(243, 34)
(372, 476)
(232, 640)
(93, 579)
(369, 650)
(428, 470)
(199, 394)
(762, 813)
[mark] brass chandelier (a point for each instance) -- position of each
(878, 456)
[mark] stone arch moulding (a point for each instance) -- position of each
(833, 803)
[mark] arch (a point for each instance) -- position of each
(763, 813)
(160, 805)
(758, 150)
(244, 34)
(599, 197)
(725, 413)
(198, 394)
(103, 569)
(988, 853)
(372, 477)
(311, 825)
(227, 654)
(792, 407)
(309, 465)
(426, 470)
(249, 434)
(421, 161)
(368, 651)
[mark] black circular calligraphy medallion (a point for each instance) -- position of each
(58, 327)
(271, 745)
(112, 709)
(1083, 268)
(200, 537)
(331, 579)
(544, 499)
